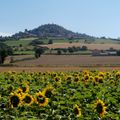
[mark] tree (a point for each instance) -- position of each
(4, 52)
(50, 41)
(84, 48)
(20, 45)
(39, 51)
(118, 52)
(64, 50)
(36, 42)
(70, 49)
(59, 52)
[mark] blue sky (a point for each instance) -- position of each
(93, 17)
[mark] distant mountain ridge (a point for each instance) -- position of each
(50, 30)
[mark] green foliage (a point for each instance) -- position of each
(4, 52)
(84, 48)
(36, 42)
(118, 52)
(50, 41)
(39, 51)
(70, 49)
(59, 52)
(68, 89)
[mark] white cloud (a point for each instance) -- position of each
(5, 34)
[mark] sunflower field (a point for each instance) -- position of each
(83, 95)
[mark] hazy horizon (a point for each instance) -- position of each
(95, 18)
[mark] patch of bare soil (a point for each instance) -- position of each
(71, 60)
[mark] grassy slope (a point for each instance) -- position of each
(24, 42)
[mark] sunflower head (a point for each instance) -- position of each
(118, 74)
(77, 110)
(100, 80)
(101, 74)
(69, 79)
(53, 74)
(40, 99)
(15, 100)
(19, 91)
(100, 108)
(25, 88)
(76, 79)
(86, 77)
(96, 78)
(48, 91)
(27, 99)
(85, 72)
(91, 78)
(57, 79)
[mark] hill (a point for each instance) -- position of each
(50, 30)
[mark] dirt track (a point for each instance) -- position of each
(43, 69)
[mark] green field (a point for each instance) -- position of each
(104, 41)
(24, 42)
(23, 52)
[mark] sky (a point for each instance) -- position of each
(93, 17)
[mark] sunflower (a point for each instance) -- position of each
(15, 100)
(19, 91)
(100, 107)
(47, 91)
(100, 80)
(91, 78)
(77, 111)
(85, 72)
(40, 99)
(76, 79)
(53, 74)
(96, 78)
(118, 74)
(25, 88)
(57, 79)
(69, 79)
(101, 74)
(86, 77)
(27, 99)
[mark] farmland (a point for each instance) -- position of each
(24, 55)
(91, 46)
(60, 95)
(60, 87)
(69, 60)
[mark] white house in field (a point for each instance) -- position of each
(97, 52)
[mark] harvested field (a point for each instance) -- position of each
(90, 46)
(71, 60)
